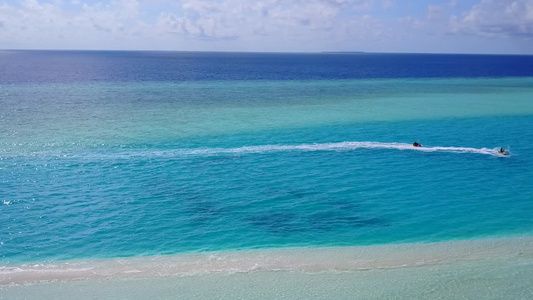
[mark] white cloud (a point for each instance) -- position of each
(366, 28)
(241, 18)
(260, 25)
(435, 13)
(387, 4)
(180, 23)
(497, 18)
(453, 3)
(362, 5)
(411, 23)
(50, 25)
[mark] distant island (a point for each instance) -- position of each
(343, 52)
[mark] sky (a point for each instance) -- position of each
(430, 26)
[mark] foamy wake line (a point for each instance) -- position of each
(121, 153)
(308, 260)
(342, 146)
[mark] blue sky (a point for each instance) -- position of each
(432, 26)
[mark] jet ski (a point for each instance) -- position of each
(503, 151)
(415, 144)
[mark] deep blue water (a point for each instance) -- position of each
(120, 66)
(106, 154)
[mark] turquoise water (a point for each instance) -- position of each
(103, 169)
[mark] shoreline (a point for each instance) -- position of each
(328, 260)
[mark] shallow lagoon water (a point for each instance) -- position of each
(96, 172)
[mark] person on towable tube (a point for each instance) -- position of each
(415, 144)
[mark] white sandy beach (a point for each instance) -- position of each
(475, 269)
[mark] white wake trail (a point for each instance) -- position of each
(111, 153)
(341, 146)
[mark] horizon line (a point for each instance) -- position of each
(350, 52)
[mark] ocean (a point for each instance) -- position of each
(141, 155)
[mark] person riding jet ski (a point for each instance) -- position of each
(415, 144)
